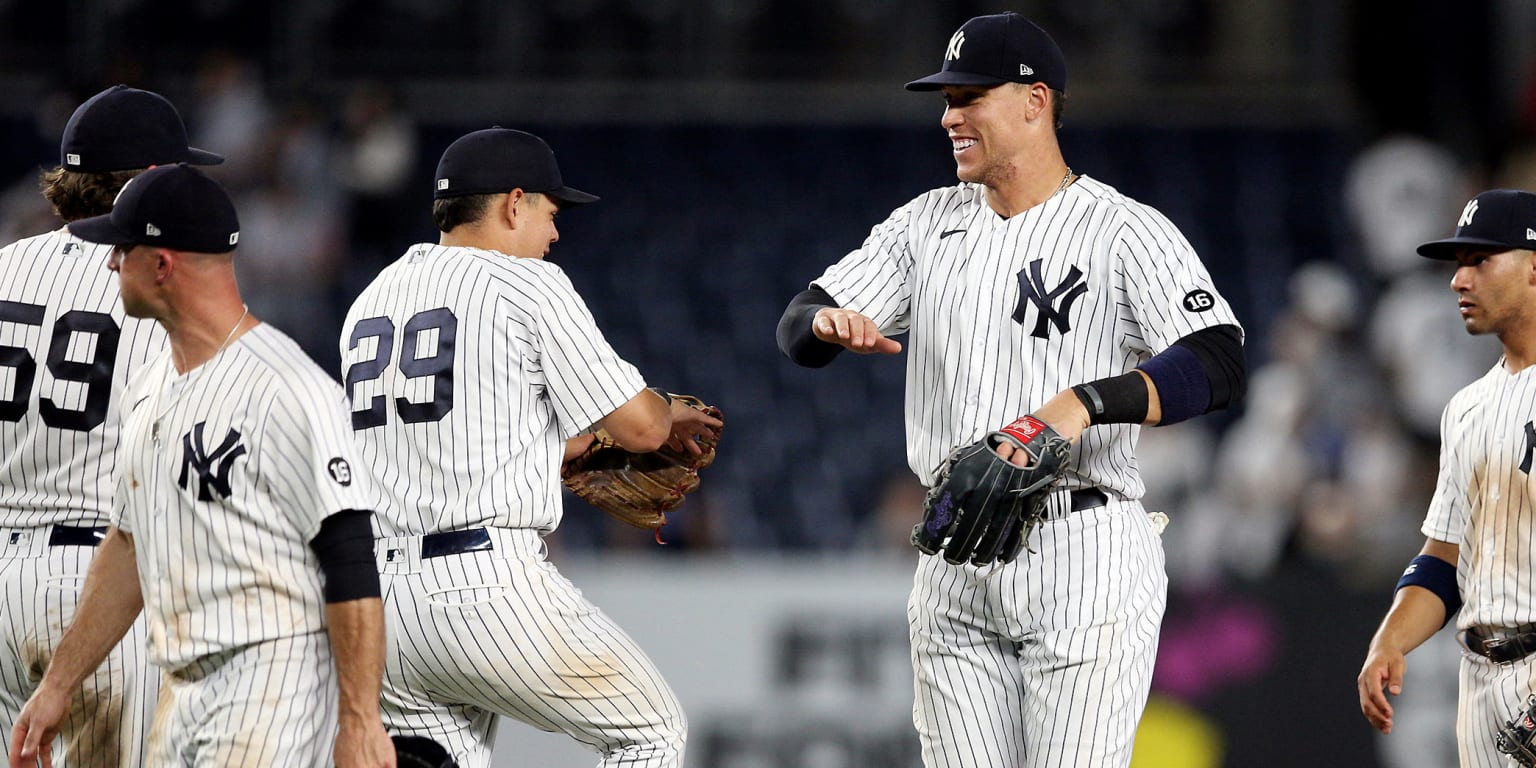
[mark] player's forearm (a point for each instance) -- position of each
(357, 643)
(1416, 615)
(110, 600)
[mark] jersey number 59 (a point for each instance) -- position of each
(95, 374)
(438, 365)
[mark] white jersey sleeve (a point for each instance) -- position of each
(1168, 288)
(586, 378)
(1450, 506)
(309, 445)
(874, 280)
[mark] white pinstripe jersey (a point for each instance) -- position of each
(65, 351)
(467, 370)
(1005, 313)
(1485, 500)
(226, 475)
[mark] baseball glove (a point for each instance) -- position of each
(421, 752)
(1517, 738)
(982, 507)
(639, 488)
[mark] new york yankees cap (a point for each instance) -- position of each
(124, 128)
(997, 49)
(1499, 219)
(170, 206)
(497, 160)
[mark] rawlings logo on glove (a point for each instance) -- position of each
(983, 507)
(640, 488)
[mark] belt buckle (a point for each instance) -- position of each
(1493, 644)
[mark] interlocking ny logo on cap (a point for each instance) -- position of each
(953, 52)
(1467, 213)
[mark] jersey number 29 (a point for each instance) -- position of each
(438, 365)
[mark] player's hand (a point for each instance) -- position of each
(363, 744)
(689, 425)
(852, 331)
(1382, 674)
(36, 727)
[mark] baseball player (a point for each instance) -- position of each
(238, 525)
(474, 369)
(1478, 557)
(67, 349)
(1030, 289)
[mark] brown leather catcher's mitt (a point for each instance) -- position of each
(639, 488)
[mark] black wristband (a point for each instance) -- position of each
(663, 394)
(1116, 400)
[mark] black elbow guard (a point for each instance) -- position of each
(344, 547)
(796, 339)
(1220, 351)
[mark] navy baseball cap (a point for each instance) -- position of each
(125, 128)
(170, 206)
(1499, 219)
(997, 49)
(497, 160)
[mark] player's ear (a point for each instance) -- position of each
(510, 207)
(165, 264)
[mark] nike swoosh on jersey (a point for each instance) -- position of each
(947, 233)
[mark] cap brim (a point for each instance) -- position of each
(100, 229)
(571, 196)
(197, 156)
(936, 81)
(1446, 249)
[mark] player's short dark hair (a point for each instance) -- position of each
(450, 212)
(79, 195)
(1058, 106)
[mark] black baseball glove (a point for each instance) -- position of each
(982, 507)
(421, 752)
(1517, 738)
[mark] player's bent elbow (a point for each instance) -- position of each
(640, 425)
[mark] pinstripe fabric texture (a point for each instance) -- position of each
(66, 350)
(227, 473)
(517, 366)
(467, 371)
(1046, 661)
(1485, 503)
(263, 705)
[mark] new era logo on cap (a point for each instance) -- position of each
(442, 183)
(151, 230)
(71, 159)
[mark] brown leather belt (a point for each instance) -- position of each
(1501, 645)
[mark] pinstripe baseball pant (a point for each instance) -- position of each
(500, 632)
(40, 587)
(1046, 661)
(1491, 694)
(270, 704)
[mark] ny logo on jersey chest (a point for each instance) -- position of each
(1053, 305)
(1530, 447)
(208, 469)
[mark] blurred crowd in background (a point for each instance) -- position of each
(740, 146)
